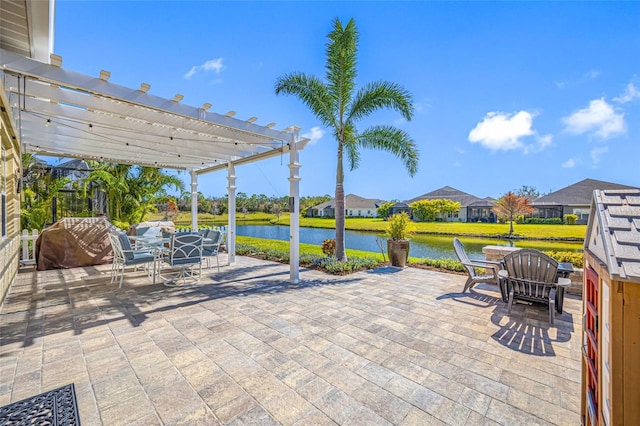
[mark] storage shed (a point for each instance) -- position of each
(611, 323)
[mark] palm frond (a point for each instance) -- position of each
(341, 66)
(393, 140)
(378, 95)
(312, 92)
(350, 144)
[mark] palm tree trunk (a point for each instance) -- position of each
(341, 254)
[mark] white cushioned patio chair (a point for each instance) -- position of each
(124, 255)
(211, 247)
(184, 255)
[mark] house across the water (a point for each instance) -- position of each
(354, 205)
(573, 199)
(472, 208)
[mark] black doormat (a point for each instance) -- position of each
(55, 407)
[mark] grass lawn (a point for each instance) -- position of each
(184, 218)
(528, 231)
(532, 231)
(304, 248)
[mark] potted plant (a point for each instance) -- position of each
(399, 230)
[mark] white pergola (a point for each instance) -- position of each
(58, 112)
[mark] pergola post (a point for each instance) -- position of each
(231, 227)
(294, 209)
(194, 201)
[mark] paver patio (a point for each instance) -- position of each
(387, 346)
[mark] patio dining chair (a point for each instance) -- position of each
(185, 255)
(533, 277)
(491, 269)
(124, 255)
(211, 247)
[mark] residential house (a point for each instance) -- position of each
(573, 199)
(355, 206)
(472, 208)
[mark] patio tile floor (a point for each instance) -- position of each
(387, 346)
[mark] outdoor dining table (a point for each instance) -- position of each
(158, 246)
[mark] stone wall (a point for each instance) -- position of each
(497, 253)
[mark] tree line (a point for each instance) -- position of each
(131, 192)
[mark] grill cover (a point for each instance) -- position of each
(73, 242)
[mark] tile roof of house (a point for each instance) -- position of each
(352, 201)
(447, 192)
(617, 213)
(580, 193)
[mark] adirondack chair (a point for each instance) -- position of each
(533, 277)
(491, 269)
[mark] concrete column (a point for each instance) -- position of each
(194, 201)
(294, 209)
(231, 227)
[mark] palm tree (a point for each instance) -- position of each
(131, 190)
(339, 106)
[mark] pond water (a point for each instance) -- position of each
(431, 246)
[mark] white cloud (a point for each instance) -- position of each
(569, 164)
(500, 131)
(214, 65)
(315, 134)
(631, 92)
(459, 150)
(599, 118)
(598, 152)
(399, 121)
(543, 142)
(589, 75)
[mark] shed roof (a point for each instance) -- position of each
(580, 193)
(613, 232)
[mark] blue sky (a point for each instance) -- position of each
(506, 94)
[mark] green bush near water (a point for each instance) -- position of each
(446, 264)
(576, 258)
(327, 264)
(312, 256)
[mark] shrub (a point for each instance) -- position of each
(326, 264)
(121, 225)
(329, 247)
(354, 264)
(400, 227)
(541, 220)
(520, 218)
(570, 219)
(447, 264)
(574, 257)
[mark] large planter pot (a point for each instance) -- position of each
(398, 252)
